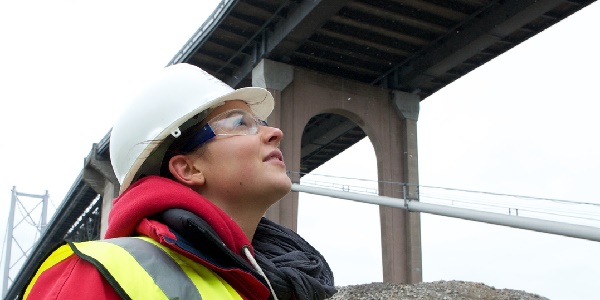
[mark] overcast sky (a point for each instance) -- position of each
(524, 123)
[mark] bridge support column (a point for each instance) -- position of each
(401, 230)
(276, 77)
(98, 173)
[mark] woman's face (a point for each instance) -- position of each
(246, 166)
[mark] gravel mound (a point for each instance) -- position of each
(445, 290)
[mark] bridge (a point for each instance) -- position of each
(409, 49)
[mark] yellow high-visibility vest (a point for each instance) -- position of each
(141, 268)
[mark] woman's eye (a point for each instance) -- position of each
(241, 121)
(236, 122)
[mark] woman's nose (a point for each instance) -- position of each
(272, 135)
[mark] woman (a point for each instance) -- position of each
(198, 169)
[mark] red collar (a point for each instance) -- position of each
(153, 194)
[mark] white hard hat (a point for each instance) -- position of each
(179, 93)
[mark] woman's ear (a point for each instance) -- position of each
(183, 169)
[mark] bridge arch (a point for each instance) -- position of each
(316, 148)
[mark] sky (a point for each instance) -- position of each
(524, 124)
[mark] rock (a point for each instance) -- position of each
(450, 290)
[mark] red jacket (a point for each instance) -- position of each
(143, 210)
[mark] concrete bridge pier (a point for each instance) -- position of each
(388, 117)
(98, 173)
(276, 77)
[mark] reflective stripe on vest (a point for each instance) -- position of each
(141, 268)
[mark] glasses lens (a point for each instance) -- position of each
(238, 122)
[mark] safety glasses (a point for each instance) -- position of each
(231, 122)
